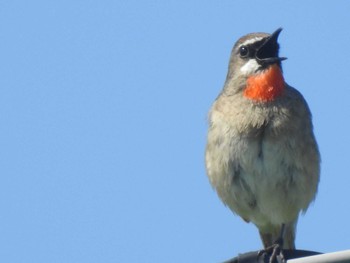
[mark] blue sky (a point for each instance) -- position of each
(103, 110)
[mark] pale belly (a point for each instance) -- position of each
(261, 179)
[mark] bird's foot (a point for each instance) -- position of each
(273, 253)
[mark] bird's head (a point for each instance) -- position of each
(255, 67)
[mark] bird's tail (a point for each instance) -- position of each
(274, 234)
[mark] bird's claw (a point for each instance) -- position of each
(274, 254)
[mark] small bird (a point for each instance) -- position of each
(261, 155)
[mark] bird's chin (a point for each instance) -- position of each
(267, 62)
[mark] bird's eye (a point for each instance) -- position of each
(243, 51)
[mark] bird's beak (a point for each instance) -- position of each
(267, 53)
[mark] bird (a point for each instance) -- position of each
(261, 156)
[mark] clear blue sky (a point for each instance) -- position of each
(103, 110)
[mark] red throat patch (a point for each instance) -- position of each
(265, 86)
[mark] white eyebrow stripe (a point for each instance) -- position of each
(251, 41)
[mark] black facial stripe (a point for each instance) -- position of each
(252, 48)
